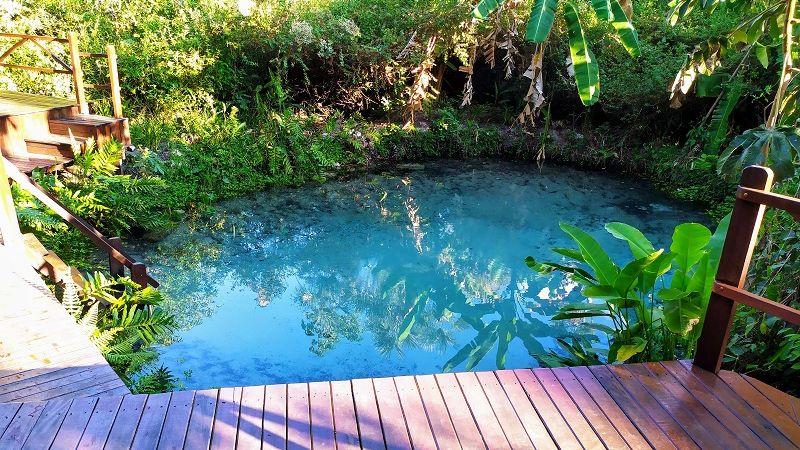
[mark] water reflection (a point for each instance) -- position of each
(414, 272)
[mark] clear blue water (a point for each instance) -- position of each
(313, 283)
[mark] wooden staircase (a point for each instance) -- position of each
(44, 132)
(39, 131)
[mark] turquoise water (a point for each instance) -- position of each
(313, 283)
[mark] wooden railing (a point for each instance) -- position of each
(72, 68)
(752, 199)
(118, 259)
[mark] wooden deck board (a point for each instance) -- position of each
(18, 103)
(41, 362)
(633, 406)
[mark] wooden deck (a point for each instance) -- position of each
(658, 405)
(43, 353)
(20, 103)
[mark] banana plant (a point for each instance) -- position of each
(584, 64)
(652, 306)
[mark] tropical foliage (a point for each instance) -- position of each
(125, 321)
(767, 29)
(650, 308)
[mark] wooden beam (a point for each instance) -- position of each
(36, 69)
(766, 305)
(9, 226)
(11, 49)
(34, 36)
(734, 262)
(77, 73)
(771, 199)
(113, 78)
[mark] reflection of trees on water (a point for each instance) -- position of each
(348, 298)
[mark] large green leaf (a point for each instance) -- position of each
(540, 21)
(603, 9)
(774, 147)
(625, 30)
(604, 268)
(639, 244)
(622, 352)
(689, 241)
(485, 7)
(718, 128)
(587, 73)
(630, 273)
(548, 267)
(682, 310)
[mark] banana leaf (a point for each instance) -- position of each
(587, 72)
(540, 21)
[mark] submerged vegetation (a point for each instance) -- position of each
(227, 98)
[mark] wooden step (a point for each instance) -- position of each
(50, 164)
(53, 145)
(100, 128)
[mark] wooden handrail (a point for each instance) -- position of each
(73, 68)
(138, 270)
(752, 198)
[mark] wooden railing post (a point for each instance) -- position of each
(116, 268)
(113, 77)
(77, 72)
(9, 227)
(734, 262)
(139, 274)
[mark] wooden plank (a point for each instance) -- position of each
(755, 421)
(417, 419)
(251, 417)
(226, 422)
(298, 416)
(716, 408)
(690, 413)
(649, 426)
(442, 426)
(395, 430)
(756, 399)
(344, 416)
(622, 423)
(74, 423)
(176, 421)
(17, 431)
(574, 417)
(99, 426)
(275, 417)
(655, 409)
(201, 420)
(602, 426)
(504, 411)
(559, 429)
(534, 427)
(150, 423)
(322, 427)
(48, 424)
(7, 413)
(482, 411)
(782, 400)
(367, 415)
(121, 434)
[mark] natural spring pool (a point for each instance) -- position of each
(313, 283)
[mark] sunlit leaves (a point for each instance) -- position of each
(603, 9)
(485, 7)
(541, 20)
(587, 72)
(774, 147)
(625, 30)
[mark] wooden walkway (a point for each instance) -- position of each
(44, 354)
(659, 405)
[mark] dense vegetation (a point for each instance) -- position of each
(228, 97)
